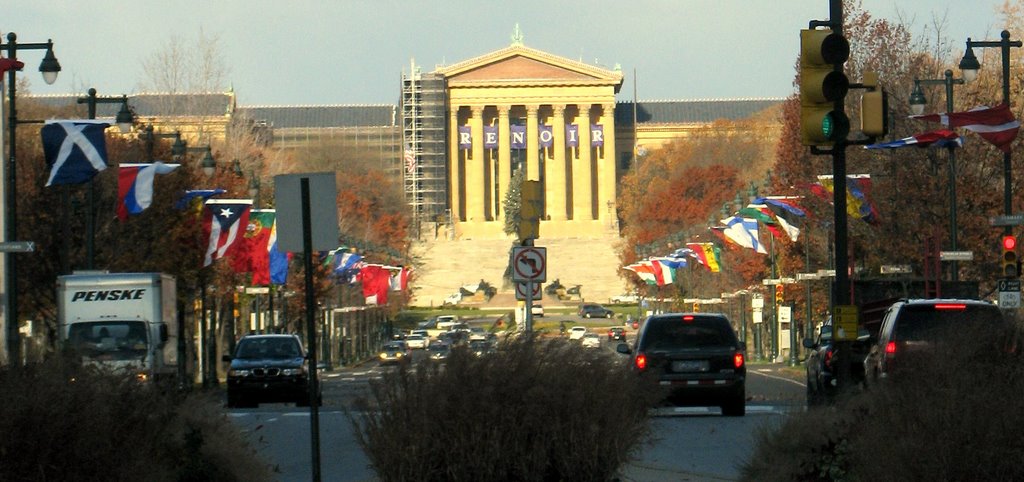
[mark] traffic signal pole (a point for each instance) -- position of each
(826, 125)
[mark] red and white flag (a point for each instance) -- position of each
(994, 124)
(224, 223)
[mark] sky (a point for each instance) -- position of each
(321, 52)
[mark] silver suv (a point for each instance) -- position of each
(916, 325)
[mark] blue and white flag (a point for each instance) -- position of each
(76, 150)
(743, 231)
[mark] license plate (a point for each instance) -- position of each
(690, 366)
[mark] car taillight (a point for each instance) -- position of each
(828, 358)
(641, 361)
(737, 360)
(890, 348)
(688, 319)
(951, 306)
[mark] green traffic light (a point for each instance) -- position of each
(827, 126)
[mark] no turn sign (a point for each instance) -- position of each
(529, 263)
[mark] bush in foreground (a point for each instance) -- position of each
(59, 421)
(535, 410)
(949, 414)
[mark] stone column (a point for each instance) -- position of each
(455, 188)
(606, 167)
(476, 205)
(555, 190)
(532, 144)
(504, 157)
(581, 176)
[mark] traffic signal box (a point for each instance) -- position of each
(780, 294)
(874, 107)
(822, 85)
(1010, 264)
(531, 207)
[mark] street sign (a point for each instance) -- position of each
(1007, 220)
(17, 247)
(257, 290)
(1008, 285)
(896, 269)
(824, 273)
(845, 322)
(956, 255)
(1009, 293)
(771, 281)
(807, 276)
(529, 263)
(522, 288)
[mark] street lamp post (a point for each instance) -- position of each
(124, 121)
(209, 166)
(969, 65)
(49, 68)
(917, 103)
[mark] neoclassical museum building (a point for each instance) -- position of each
(456, 137)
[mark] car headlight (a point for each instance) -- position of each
(293, 371)
(238, 372)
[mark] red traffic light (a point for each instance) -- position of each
(1009, 243)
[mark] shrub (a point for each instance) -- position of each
(60, 421)
(950, 413)
(534, 410)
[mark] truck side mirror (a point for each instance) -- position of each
(163, 334)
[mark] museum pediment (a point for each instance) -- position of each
(518, 63)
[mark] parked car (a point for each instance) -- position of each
(917, 325)
(821, 369)
(417, 341)
(394, 352)
(577, 332)
(696, 357)
(616, 333)
(591, 340)
(624, 299)
(266, 369)
(593, 310)
(537, 311)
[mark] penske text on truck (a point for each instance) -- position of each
(124, 322)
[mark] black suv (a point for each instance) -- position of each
(590, 310)
(821, 368)
(918, 325)
(267, 369)
(696, 357)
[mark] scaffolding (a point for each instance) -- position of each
(424, 135)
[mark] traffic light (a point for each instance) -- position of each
(531, 207)
(874, 107)
(822, 85)
(780, 293)
(1010, 256)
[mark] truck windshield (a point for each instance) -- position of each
(109, 340)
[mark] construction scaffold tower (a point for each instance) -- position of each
(424, 132)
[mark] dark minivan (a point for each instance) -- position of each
(697, 359)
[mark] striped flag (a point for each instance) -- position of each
(707, 255)
(939, 138)
(994, 124)
(224, 223)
